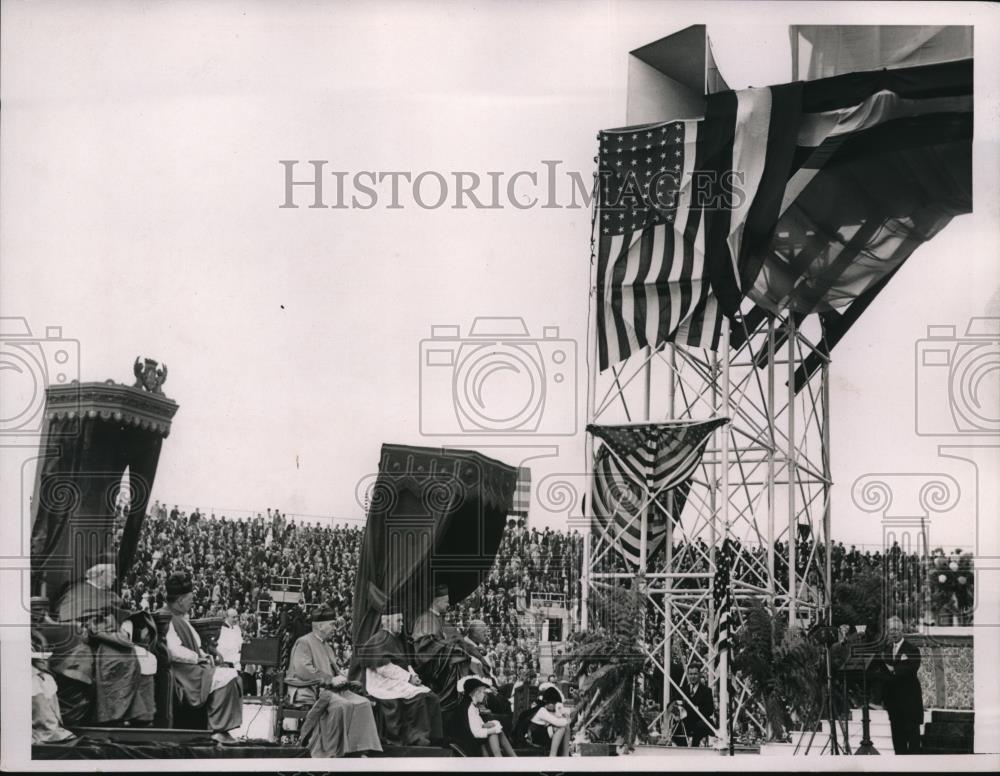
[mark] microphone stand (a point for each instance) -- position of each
(867, 747)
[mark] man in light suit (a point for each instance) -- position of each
(901, 692)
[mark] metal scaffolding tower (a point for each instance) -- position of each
(764, 481)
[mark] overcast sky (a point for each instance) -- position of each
(141, 191)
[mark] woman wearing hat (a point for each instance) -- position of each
(476, 736)
(542, 726)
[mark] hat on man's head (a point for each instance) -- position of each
(179, 583)
(440, 590)
(468, 684)
(323, 614)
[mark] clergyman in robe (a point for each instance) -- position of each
(121, 674)
(410, 711)
(439, 656)
(475, 644)
(339, 721)
(197, 680)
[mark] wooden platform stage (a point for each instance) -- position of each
(171, 744)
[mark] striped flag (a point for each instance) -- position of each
(522, 495)
(635, 470)
(722, 596)
(883, 162)
(680, 205)
(802, 196)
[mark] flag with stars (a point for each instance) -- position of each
(644, 469)
(683, 210)
(722, 596)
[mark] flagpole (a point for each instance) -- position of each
(668, 582)
(588, 444)
(792, 474)
(724, 715)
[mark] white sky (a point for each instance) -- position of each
(140, 199)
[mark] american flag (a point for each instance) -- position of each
(722, 597)
(651, 285)
(636, 470)
(686, 211)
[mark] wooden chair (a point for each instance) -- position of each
(266, 653)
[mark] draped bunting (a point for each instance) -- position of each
(435, 516)
(92, 433)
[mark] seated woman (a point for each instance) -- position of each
(541, 726)
(476, 736)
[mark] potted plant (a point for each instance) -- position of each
(608, 662)
(784, 668)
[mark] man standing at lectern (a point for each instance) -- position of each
(901, 692)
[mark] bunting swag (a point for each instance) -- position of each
(883, 163)
(801, 196)
(436, 516)
(641, 468)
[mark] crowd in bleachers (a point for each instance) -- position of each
(234, 562)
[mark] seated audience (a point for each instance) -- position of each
(121, 680)
(410, 711)
(340, 721)
(439, 656)
(46, 719)
(476, 736)
(197, 680)
(541, 726)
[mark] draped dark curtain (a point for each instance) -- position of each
(79, 476)
(436, 516)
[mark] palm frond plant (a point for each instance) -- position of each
(784, 667)
(608, 661)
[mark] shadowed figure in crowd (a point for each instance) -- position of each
(410, 711)
(197, 680)
(340, 721)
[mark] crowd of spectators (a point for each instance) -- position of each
(236, 562)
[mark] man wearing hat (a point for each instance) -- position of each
(197, 680)
(105, 658)
(439, 656)
(340, 721)
(410, 711)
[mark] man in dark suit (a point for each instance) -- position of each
(901, 691)
(700, 701)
